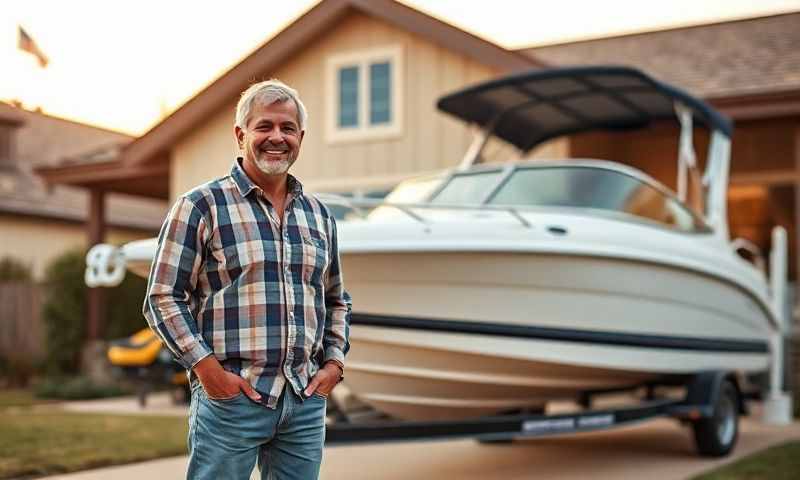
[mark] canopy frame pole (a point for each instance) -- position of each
(686, 157)
(479, 141)
(715, 180)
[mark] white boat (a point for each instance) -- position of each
(501, 287)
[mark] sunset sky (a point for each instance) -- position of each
(122, 65)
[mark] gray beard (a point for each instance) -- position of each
(274, 168)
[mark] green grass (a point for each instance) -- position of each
(781, 462)
(17, 397)
(40, 443)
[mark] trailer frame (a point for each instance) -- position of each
(706, 394)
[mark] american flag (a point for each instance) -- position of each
(26, 44)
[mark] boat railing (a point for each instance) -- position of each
(364, 206)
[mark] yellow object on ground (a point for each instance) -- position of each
(141, 349)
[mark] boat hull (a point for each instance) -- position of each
(447, 335)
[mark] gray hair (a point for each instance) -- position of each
(268, 92)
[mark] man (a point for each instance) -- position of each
(246, 291)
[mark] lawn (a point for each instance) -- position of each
(43, 440)
(781, 462)
(17, 398)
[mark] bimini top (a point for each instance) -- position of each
(533, 107)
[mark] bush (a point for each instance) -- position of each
(124, 308)
(13, 270)
(75, 388)
(64, 311)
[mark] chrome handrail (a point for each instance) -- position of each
(359, 204)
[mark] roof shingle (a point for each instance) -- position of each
(753, 56)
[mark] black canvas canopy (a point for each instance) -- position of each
(530, 108)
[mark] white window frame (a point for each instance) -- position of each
(362, 59)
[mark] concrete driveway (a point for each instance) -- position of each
(659, 449)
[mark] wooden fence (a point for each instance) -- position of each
(21, 327)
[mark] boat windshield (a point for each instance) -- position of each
(415, 190)
(578, 187)
(467, 188)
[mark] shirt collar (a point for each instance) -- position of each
(245, 185)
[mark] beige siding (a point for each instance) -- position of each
(429, 140)
(36, 242)
(206, 153)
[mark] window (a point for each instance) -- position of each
(364, 95)
(348, 97)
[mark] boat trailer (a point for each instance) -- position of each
(712, 405)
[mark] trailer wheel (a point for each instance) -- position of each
(715, 436)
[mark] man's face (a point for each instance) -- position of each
(272, 137)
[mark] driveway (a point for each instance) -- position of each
(661, 449)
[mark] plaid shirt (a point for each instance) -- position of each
(266, 299)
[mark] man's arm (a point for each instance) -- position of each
(173, 278)
(336, 336)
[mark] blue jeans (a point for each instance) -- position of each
(227, 436)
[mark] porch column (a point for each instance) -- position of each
(796, 221)
(96, 231)
(792, 345)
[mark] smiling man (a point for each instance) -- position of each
(246, 291)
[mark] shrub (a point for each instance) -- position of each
(75, 388)
(124, 308)
(64, 311)
(13, 270)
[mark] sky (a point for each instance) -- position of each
(125, 65)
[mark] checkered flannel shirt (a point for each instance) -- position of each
(229, 280)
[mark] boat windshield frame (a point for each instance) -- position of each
(506, 171)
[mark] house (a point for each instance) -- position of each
(370, 72)
(37, 222)
(748, 69)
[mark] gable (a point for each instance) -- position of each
(427, 140)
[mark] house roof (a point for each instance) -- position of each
(748, 68)
(44, 140)
(153, 147)
(296, 36)
(755, 56)
(9, 115)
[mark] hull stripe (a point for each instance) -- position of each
(670, 342)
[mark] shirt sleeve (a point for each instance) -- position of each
(338, 305)
(173, 279)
